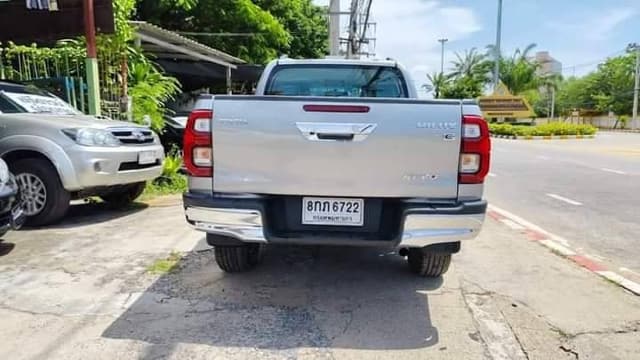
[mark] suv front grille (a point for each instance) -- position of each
(133, 136)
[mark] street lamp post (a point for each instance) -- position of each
(442, 41)
(496, 69)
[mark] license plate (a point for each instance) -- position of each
(147, 157)
(332, 211)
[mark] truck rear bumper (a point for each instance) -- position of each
(243, 217)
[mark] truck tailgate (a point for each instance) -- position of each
(336, 147)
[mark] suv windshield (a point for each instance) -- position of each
(337, 80)
(29, 99)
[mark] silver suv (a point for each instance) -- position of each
(58, 154)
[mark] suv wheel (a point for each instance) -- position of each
(124, 196)
(44, 199)
(428, 264)
(238, 258)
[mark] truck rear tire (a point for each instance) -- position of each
(428, 264)
(124, 196)
(239, 258)
(44, 198)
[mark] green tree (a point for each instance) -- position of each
(464, 87)
(517, 72)
(267, 35)
(608, 88)
(306, 24)
(436, 82)
(471, 64)
(611, 85)
(269, 28)
(573, 94)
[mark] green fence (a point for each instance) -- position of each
(61, 70)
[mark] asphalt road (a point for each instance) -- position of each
(586, 191)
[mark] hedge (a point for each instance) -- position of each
(554, 128)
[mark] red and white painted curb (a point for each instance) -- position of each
(560, 246)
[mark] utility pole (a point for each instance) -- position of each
(553, 102)
(334, 28)
(91, 62)
(496, 69)
(442, 41)
(636, 88)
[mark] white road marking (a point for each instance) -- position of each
(553, 245)
(528, 224)
(492, 175)
(567, 200)
(512, 224)
(595, 257)
(629, 271)
(614, 171)
(632, 286)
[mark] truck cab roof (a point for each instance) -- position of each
(336, 61)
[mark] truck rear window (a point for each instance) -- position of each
(337, 80)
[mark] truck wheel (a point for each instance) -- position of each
(123, 197)
(44, 199)
(240, 258)
(428, 264)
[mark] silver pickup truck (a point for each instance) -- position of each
(58, 154)
(336, 152)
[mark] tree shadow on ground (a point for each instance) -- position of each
(300, 297)
(87, 213)
(6, 248)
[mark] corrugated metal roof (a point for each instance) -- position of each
(180, 46)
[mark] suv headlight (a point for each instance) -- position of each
(92, 137)
(4, 172)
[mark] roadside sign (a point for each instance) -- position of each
(502, 104)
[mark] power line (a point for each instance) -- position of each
(595, 61)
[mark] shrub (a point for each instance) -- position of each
(553, 128)
(171, 181)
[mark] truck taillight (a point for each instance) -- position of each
(476, 150)
(197, 144)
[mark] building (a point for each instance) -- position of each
(548, 65)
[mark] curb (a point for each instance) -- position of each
(546, 137)
(561, 247)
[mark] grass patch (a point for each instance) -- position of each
(167, 265)
(171, 181)
(166, 185)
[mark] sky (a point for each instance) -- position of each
(578, 33)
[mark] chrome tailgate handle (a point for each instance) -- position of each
(335, 131)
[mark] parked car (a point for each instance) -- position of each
(173, 132)
(336, 152)
(11, 214)
(58, 154)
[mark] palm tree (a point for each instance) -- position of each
(437, 82)
(550, 84)
(472, 64)
(518, 72)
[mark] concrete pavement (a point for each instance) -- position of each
(80, 290)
